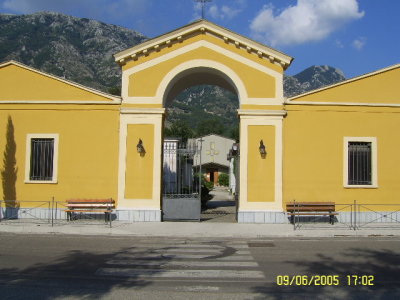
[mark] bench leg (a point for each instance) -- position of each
(107, 217)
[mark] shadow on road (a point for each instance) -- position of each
(74, 275)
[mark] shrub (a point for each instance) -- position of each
(206, 187)
(223, 179)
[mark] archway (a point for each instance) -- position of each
(201, 105)
(201, 52)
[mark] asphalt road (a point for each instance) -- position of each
(123, 267)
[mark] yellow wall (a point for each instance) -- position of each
(139, 171)
(18, 83)
(381, 87)
(313, 153)
(88, 149)
(261, 171)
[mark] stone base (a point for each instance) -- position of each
(152, 215)
(262, 217)
(138, 215)
(46, 214)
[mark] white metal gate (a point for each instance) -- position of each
(181, 182)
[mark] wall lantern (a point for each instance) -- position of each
(233, 152)
(262, 149)
(140, 148)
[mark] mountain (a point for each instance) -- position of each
(81, 50)
(312, 78)
(78, 49)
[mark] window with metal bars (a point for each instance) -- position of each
(359, 163)
(42, 157)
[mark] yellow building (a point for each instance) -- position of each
(91, 137)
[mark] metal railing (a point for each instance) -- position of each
(344, 218)
(16, 212)
(369, 215)
(355, 216)
(44, 212)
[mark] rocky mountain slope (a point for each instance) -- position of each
(310, 79)
(78, 49)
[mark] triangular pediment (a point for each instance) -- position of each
(20, 83)
(203, 27)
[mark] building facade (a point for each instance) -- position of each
(214, 151)
(62, 140)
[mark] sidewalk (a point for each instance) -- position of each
(196, 230)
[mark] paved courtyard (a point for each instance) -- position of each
(221, 208)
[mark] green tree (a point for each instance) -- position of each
(9, 171)
(179, 129)
(212, 126)
(234, 133)
(115, 90)
(223, 179)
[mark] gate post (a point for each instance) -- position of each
(140, 164)
(261, 156)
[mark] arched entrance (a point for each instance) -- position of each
(197, 146)
(201, 53)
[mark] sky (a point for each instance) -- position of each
(355, 36)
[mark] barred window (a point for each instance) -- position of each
(42, 159)
(359, 163)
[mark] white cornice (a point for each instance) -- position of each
(142, 110)
(326, 103)
(204, 27)
(74, 102)
(261, 112)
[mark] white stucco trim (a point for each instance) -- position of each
(327, 103)
(259, 112)
(374, 158)
(83, 102)
(125, 74)
(29, 137)
(168, 80)
(205, 27)
(245, 122)
(138, 116)
(125, 110)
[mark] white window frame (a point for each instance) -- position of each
(374, 161)
(29, 138)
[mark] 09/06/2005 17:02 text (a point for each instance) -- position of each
(324, 280)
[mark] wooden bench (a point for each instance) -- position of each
(311, 209)
(90, 205)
